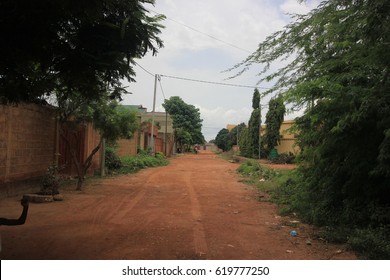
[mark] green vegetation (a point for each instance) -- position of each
(131, 164)
(85, 47)
(112, 123)
(112, 160)
(222, 140)
(265, 179)
(51, 181)
(340, 75)
(249, 139)
(273, 121)
(225, 139)
(252, 169)
(186, 123)
(76, 57)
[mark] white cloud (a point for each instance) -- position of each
(295, 7)
(189, 54)
(217, 118)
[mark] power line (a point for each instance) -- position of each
(211, 82)
(150, 73)
(200, 81)
(159, 81)
(205, 34)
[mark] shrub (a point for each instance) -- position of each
(284, 158)
(252, 168)
(51, 181)
(372, 243)
(113, 162)
(141, 161)
(249, 168)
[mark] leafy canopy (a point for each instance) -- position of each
(222, 140)
(273, 120)
(338, 63)
(185, 117)
(249, 138)
(72, 46)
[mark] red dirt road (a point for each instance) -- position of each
(194, 208)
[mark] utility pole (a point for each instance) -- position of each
(165, 135)
(153, 111)
(259, 126)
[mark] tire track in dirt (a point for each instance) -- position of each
(194, 208)
(200, 242)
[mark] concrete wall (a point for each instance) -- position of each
(27, 143)
(287, 139)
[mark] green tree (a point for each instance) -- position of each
(340, 67)
(85, 46)
(256, 99)
(273, 121)
(183, 139)
(249, 146)
(245, 143)
(254, 132)
(111, 121)
(235, 134)
(185, 117)
(222, 140)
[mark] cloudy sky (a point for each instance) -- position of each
(202, 39)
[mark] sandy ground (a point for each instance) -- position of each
(194, 208)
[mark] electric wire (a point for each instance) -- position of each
(212, 82)
(204, 34)
(201, 81)
(162, 91)
(150, 73)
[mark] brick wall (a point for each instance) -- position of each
(27, 143)
(128, 147)
(92, 139)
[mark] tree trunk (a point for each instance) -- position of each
(80, 183)
(81, 167)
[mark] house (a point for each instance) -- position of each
(230, 127)
(287, 138)
(163, 133)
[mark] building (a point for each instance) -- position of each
(287, 138)
(164, 141)
(230, 127)
(163, 133)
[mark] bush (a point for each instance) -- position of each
(372, 243)
(284, 158)
(252, 168)
(51, 181)
(141, 161)
(113, 162)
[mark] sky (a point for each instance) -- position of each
(202, 39)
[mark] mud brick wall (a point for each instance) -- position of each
(27, 143)
(92, 139)
(128, 147)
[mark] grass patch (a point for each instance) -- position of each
(270, 181)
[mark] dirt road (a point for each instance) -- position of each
(194, 208)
